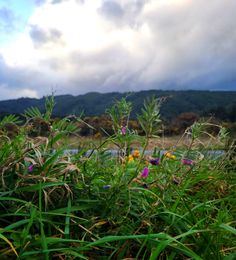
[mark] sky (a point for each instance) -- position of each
(79, 46)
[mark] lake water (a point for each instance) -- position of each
(210, 153)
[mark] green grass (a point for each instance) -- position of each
(97, 206)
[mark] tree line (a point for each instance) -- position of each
(179, 109)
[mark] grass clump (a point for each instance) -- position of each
(102, 204)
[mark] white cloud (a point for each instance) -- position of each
(119, 45)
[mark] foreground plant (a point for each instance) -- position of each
(89, 205)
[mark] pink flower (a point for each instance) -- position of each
(123, 130)
(144, 173)
(30, 168)
(187, 162)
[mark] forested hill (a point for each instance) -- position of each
(220, 104)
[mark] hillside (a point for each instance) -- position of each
(220, 104)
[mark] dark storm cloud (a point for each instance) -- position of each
(192, 44)
(42, 37)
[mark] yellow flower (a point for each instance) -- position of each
(170, 156)
(136, 154)
(130, 158)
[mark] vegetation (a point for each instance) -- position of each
(221, 105)
(98, 204)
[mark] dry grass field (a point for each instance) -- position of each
(162, 142)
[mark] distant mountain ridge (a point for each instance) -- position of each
(218, 103)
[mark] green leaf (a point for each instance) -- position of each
(9, 243)
(67, 220)
(228, 228)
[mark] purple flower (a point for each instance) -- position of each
(155, 161)
(145, 186)
(187, 162)
(123, 130)
(144, 173)
(30, 168)
(106, 187)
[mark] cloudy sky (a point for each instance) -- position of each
(78, 46)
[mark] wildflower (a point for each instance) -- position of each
(144, 173)
(123, 130)
(170, 156)
(146, 162)
(187, 162)
(30, 168)
(136, 154)
(155, 161)
(106, 187)
(145, 186)
(130, 158)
